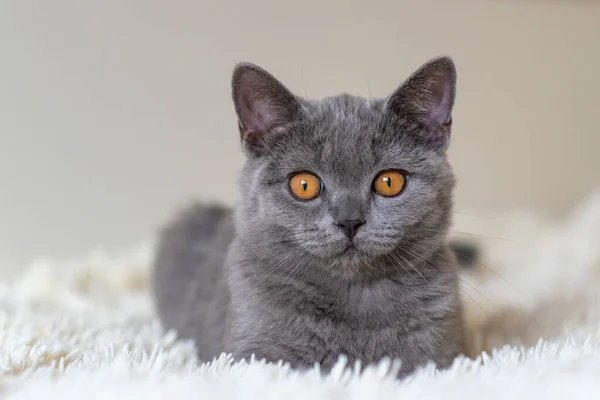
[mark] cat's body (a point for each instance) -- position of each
(347, 271)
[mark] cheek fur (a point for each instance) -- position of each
(390, 220)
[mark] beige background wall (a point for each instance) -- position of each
(113, 112)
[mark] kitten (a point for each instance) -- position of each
(338, 243)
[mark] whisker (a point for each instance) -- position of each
(270, 245)
(413, 267)
(482, 265)
(287, 280)
(457, 277)
(474, 215)
(274, 268)
(416, 229)
(396, 268)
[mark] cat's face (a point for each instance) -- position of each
(345, 182)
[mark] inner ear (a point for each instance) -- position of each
(263, 105)
(428, 95)
(438, 97)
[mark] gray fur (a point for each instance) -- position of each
(277, 277)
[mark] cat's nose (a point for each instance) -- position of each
(350, 226)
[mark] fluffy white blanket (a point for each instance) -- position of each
(86, 329)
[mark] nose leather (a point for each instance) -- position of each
(350, 226)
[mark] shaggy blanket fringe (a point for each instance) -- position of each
(87, 329)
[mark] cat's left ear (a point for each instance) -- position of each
(427, 97)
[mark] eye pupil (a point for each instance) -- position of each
(305, 185)
(389, 183)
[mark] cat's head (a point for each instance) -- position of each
(345, 183)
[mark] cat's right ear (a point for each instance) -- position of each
(263, 106)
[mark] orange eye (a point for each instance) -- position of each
(305, 186)
(389, 183)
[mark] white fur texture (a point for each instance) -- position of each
(86, 330)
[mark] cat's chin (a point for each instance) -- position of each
(352, 254)
(356, 251)
(350, 261)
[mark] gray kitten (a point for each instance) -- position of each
(338, 243)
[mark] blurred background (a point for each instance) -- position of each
(114, 113)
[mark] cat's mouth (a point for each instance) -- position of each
(350, 249)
